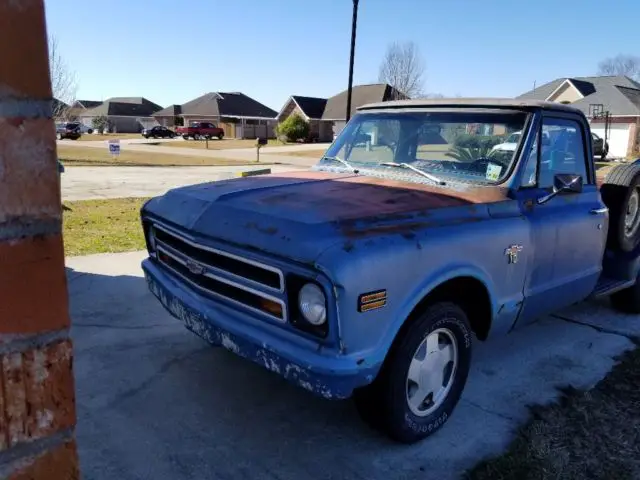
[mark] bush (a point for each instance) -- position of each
(100, 122)
(294, 128)
(477, 141)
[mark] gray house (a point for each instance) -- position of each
(124, 114)
(327, 117)
(618, 95)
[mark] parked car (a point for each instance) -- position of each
(68, 130)
(158, 132)
(600, 147)
(370, 276)
(198, 130)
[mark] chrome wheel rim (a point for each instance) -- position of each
(632, 216)
(431, 372)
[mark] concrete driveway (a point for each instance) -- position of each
(156, 402)
(87, 183)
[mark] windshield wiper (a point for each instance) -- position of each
(433, 178)
(344, 162)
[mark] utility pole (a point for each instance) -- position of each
(351, 57)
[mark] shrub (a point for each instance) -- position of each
(294, 128)
(477, 141)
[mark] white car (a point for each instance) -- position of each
(511, 143)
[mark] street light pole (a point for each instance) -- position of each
(351, 57)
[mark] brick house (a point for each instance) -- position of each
(238, 114)
(327, 117)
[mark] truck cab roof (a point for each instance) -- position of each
(499, 103)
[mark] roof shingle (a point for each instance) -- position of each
(618, 94)
(231, 104)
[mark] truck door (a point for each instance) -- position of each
(569, 230)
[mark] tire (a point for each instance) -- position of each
(627, 300)
(621, 194)
(186, 137)
(220, 136)
(385, 404)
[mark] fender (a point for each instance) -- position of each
(430, 283)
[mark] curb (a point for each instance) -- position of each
(251, 173)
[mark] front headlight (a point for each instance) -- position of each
(313, 304)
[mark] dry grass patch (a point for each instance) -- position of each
(91, 156)
(90, 137)
(215, 144)
(593, 434)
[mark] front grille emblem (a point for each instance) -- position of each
(195, 267)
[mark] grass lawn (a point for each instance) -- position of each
(593, 434)
(91, 156)
(102, 226)
(90, 137)
(223, 144)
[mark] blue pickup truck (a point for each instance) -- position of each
(371, 275)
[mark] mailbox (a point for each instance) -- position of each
(261, 141)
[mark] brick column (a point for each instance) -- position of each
(37, 410)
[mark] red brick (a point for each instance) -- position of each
(29, 179)
(33, 288)
(60, 463)
(24, 69)
(38, 393)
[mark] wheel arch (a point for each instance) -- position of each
(477, 289)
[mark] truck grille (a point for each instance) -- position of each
(202, 266)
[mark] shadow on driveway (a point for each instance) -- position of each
(154, 401)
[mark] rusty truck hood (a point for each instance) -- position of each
(299, 214)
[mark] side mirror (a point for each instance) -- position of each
(563, 182)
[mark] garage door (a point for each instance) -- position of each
(618, 138)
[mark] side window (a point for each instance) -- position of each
(562, 152)
(565, 151)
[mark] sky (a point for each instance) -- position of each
(171, 51)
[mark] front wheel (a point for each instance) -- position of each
(220, 136)
(422, 378)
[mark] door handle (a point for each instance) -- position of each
(598, 211)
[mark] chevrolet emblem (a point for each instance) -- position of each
(512, 253)
(195, 267)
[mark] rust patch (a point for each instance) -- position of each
(265, 230)
(351, 197)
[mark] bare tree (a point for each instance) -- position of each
(63, 81)
(403, 68)
(628, 65)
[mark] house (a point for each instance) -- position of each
(124, 114)
(327, 117)
(618, 95)
(80, 106)
(238, 114)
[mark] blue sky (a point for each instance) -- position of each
(171, 51)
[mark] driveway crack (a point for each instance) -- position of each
(486, 410)
(633, 338)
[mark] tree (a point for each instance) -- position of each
(100, 123)
(63, 81)
(628, 65)
(403, 68)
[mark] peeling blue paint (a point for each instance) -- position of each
(327, 381)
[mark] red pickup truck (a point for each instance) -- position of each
(198, 130)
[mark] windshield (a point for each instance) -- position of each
(453, 145)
